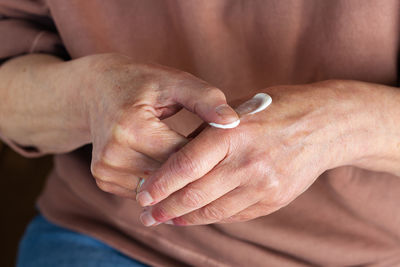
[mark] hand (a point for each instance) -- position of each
(263, 164)
(126, 103)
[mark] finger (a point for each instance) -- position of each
(145, 133)
(122, 167)
(194, 196)
(124, 159)
(117, 177)
(116, 190)
(190, 163)
(208, 102)
(224, 207)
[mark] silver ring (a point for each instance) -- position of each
(141, 181)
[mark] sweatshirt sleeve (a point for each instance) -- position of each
(26, 27)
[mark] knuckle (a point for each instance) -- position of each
(106, 153)
(212, 213)
(104, 186)
(254, 162)
(99, 171)
(266, 184)
(265, 181)
(263, 177)
(257, 164)
(105, 178)
(183, 164)
(256, 170)
(109, 159)
(192, 198)
(270, 183)
(122, 135)
(110, 162)
(268, 189)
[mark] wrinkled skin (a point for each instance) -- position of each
(268, 160)
(220, 175)
(126, 105)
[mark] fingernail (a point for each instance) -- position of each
(147, 219)
(225, 111)
(144, 198)
(169, 222)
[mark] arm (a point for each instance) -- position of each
(275, 155)
(41, 105)
(106, 100)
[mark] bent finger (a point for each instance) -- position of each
(116, 189)
(193, 196)
(147, 134)
(224, 207)
(206, 101)
(190, 163)
(121, 158)
(112, 176)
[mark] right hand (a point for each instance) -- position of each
(126, 103)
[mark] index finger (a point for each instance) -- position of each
(190, 163)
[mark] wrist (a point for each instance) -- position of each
(43, 109)
(73, 78)
(379, 145)
(97, 103)
(366, 116)
(61, 86)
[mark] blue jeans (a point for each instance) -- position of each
(47, 245)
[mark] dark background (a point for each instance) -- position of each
(21, 181)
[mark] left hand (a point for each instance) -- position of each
(262, 165)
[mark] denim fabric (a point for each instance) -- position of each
(47, 245)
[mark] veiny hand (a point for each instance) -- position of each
(263, 164)
(126, 103)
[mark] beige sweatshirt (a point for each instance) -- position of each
(349, 216)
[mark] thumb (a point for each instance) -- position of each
(209, 103)
(147, 134)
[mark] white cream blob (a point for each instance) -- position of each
(258, 103)
(225, 126)
(264, 101)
